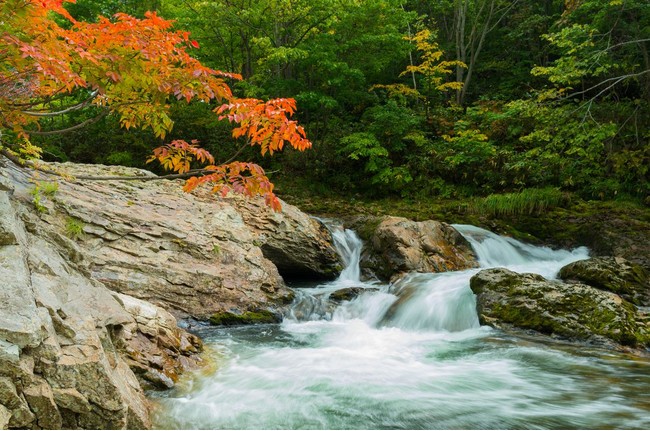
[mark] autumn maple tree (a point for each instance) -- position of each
(131, 68)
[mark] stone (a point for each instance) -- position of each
(9, 231)
(154, 346)
(571, 311)
(348, 293)
(298, 245)
(397, 246)
(247, 318)
(21, 415)
(9, 352)
(41, 402)
(72, 400)
(5, 416)
(19, 323)
(614, 274)
(192, 254)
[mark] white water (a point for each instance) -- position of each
(408, 356)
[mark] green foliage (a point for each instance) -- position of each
(467, 149)
(527, 201)
(74, 228)
(37, 200)
(43, 189)
(559, 98)
(49, 188)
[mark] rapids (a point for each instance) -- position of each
(411, 355)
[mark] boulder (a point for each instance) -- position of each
(348, 293)
(67, 349)
(573, 311)
(191, 254)
(614, 274)
(398, 245)
(299, 246)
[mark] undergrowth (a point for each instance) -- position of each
(525, 202)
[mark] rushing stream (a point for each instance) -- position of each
(408, 356)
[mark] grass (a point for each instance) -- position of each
(49, 189)
(41, 189)
(526, 202)
(74, 229)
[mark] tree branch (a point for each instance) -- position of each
(29, 164)
(70, 129)
(63, 111)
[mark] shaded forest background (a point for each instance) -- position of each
(412, 98)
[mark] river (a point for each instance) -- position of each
(408, 356)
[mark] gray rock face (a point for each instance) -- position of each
(574, 311)
(398, 245)
(54, 327)
(192, 254)
(613, 274)
(67, 344)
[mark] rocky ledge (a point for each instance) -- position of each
(67, 343)
(191, 254)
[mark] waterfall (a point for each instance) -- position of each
(349, 245)
(313, 303)
(494, 250)
(424, 302)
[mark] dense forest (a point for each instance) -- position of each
(411, 98)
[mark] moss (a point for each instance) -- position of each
(247, 318)
(365, 227)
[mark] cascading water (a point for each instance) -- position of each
(349, 247)
(408, 356)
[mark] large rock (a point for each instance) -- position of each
(192, 254)
(298, 245)
(66, 342)
(55, 329)
(614, 274)
(398, 245)
(154, 346)
(573, 311)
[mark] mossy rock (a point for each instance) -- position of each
(227, 318)
(571, 311)
(613, 274)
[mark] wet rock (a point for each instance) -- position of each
(398, 245)
(247, 318)
(613, 274)
(348, 294)
(573, 311)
